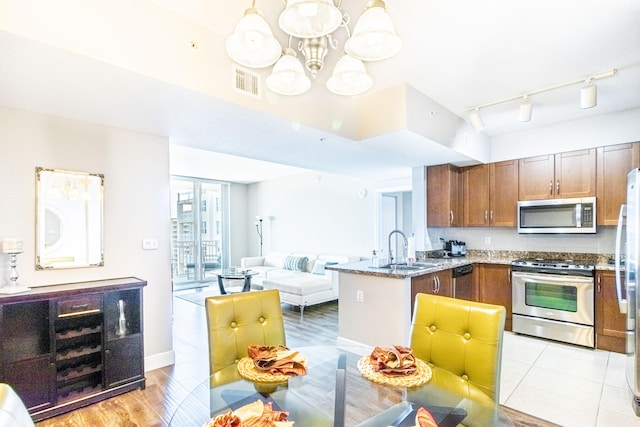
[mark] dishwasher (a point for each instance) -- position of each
(462, 282)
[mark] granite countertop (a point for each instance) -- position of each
(426, 266)
(429, 262)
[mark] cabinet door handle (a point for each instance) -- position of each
(558, 187)
(491, 215)
(435, 287)
(599, 288)
(486, 216)
(550, 188)
(450, 217)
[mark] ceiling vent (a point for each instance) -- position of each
(244, 81)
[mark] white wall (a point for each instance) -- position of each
(136, 170)
(313, 212)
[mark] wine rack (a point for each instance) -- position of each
(79, 362)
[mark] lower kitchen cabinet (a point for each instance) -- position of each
(439, 283)
(610, 323)
(71, 345)
(493, 286)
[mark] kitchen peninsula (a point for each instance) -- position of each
(375, 304)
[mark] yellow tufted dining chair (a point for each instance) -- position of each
(462, 341)
(236, 321)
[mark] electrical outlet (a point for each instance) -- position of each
(487, 240)
(359, 296)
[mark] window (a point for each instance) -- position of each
(197, 252)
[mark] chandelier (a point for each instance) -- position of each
(313, 22)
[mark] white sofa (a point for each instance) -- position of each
(312, 285)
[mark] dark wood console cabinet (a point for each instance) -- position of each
(67, 346)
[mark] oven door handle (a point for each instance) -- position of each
(622, 302)
(560, 279)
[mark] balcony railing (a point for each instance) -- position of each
(183, 257)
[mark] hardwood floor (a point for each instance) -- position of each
(167, 387)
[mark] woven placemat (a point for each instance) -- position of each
(247, 369)
(421, 376)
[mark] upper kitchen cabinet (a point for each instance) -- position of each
(558, 176)
(444, 196)
(614, 163)
(491, 194)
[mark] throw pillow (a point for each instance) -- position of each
(295, 263)
(319, 266)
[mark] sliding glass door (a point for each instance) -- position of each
(199, 235)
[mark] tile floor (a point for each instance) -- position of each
(565, 384)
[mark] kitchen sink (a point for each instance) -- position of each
(413, 267)
(425, 264)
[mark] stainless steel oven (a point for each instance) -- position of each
(554, 299)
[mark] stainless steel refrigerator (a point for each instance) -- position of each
(626, 263)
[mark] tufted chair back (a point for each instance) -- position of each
(463, 338)
(13, 412)
(237, 320)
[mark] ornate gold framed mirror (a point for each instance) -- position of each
(69, 219)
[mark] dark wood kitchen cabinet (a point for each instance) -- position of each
(614, 163)
(609, 322)
(438, 283)
(491, 194)
(558, 176)
(444, 196)
(492, 284)
(67, 346)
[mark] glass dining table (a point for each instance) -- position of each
(310, 400)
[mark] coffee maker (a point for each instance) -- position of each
(455, 248)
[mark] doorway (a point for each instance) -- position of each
(394, 213)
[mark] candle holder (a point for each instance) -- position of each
(13, 286)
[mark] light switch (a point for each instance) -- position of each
(149, 244)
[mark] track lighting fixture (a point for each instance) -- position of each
(588, 95)
(526, 108)
(588, 98)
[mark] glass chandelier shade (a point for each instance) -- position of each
(288, 77)
(349, 77)
(374, 37)
(310, 18)
(252, 44)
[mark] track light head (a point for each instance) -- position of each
(588, 95)
(526, 109)
(476, 120)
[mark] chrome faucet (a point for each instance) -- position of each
(406, 243)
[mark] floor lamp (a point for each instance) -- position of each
(259, 230)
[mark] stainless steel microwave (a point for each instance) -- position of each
(557, 216)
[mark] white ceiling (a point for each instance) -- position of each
(457, 53)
